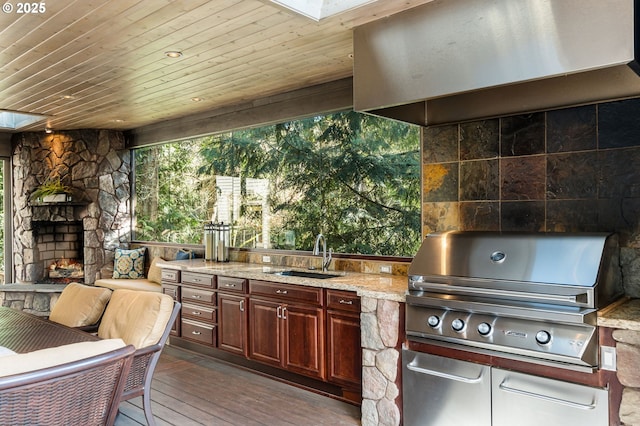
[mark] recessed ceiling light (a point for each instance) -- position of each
(173, 54)
(197, 99)
(67, 97)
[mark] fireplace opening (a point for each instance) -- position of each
(59, 251)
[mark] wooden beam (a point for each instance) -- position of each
(324, 98)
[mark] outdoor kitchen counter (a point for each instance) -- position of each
(623, 314)
(386, 287)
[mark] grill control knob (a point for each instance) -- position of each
(433, 321)
(457, 324)
(484, 328)
(543, 337)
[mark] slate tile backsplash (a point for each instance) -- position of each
(567, 170)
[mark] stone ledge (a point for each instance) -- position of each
(33, 288)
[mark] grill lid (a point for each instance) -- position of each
(552, 263)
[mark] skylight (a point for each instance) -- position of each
(14, 120)
(319, 9)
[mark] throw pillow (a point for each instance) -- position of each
(155, 273)
(129, 264)
(183, 254)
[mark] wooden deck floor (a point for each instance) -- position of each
(190, 389)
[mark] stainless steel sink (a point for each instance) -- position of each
(305, 274)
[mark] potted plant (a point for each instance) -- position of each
(52, 191)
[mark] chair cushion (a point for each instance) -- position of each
(155, 272)
(129, 263)
(141, 284)
(80, 305)
(44, 358)
(137, 317)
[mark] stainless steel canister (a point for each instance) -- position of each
(224, 239)
(209, 248)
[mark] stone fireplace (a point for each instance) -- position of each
(59, 247)
(85, 230)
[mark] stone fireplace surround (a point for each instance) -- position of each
(97, 166)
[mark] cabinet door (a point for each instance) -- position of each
(174, 292)
(528, 400)
(304, 347)
(232, 323)
(265, 338)
(344, 353)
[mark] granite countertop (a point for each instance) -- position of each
(623, 314)
(378, 286)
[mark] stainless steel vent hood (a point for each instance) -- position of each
(457, 60)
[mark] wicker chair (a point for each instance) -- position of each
(82, 392)
(141, 307)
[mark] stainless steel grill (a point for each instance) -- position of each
(529, 296)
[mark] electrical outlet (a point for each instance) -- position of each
(266, 259)
(385, 269)
(608, 358)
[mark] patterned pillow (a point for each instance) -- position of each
(129, 264)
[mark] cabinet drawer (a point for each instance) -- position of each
(202, 280)
(171, 290)
(199, 312)
(202, 333)
(343, 300)
(197, 295)
(286, 291)
(232, 284)
(170, 275)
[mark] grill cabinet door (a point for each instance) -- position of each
(440, 391)
(524, 400)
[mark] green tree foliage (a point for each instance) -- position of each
(353, 177)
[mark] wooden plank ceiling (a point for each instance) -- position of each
(102, 63)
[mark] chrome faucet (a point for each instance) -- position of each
(326, 257)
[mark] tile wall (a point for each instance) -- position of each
(567, 170)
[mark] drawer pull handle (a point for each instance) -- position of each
(196, 313)
(196, 296)
(281, 291)
(242, 306)
(197, 333)
(230, 285)
(346, 302)
(279, 311)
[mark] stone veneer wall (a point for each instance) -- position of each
(628, 354)
(97, 166)
(36, 299)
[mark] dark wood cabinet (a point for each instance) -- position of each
(344, 350)
(265, 335)
(304, 331)
(304, 341)
(199, 313)
(232, 315)
(170, 280)
(287, 327)
(232, 323)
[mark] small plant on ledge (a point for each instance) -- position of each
(52, 191)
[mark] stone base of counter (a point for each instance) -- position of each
(35, 299)
(380, 322)
(628, 354)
